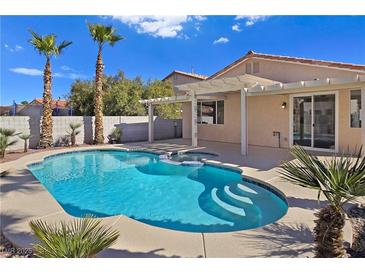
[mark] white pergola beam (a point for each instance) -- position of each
(150, 123)
(243, 122)
(194, 120)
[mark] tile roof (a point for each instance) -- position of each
(252, 54)
(194, 75)
(55, 103)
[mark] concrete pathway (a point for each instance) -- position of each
(23, 198)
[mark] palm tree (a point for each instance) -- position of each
(82, 238)
(73, 132)
(5, 134)
(101, 34)
(46, 45)
(25, 137)
(340, 180)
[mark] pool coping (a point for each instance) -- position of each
(22, 163)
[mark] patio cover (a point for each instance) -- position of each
(225, 84)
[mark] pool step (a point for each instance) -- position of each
(226, 206)
(246, 189)
(237, 197)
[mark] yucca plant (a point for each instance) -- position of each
(25, 137)
(5, 142)
(340, 180)
(73, 132)
(82, 238)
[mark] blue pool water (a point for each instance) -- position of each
(139, 185)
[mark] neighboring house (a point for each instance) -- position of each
(271, 100)
(35, 108)
(180, 77)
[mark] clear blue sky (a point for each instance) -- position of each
(154, 46)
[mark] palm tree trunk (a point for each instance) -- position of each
(328, 233)
(98, 103)
(25, 145)
(46, 139)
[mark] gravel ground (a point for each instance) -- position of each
(7, 250)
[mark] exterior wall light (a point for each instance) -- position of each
(283, 105)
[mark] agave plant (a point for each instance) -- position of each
(340, 180)
(5, 142)
(73, 132)
(25, 137)
(82, 238)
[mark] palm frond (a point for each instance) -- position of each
(74, 126)
(24, 136)
(46, 45)
(103, 34)
(81, 238)
(340, 179)
(8, 132)
(61, 46)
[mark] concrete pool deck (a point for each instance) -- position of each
(23, 198)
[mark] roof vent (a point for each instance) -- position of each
(250, 52)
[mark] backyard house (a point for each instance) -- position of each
(275, 101)
(35, 108)
(178, 77)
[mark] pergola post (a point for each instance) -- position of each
(194, 118)
(362, 116)
(243, 121)
(150, 123)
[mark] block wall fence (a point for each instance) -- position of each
(134, 128)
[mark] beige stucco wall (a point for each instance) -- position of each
(265, 115)
(348, 138)
(288, 72)
(186, 120)
(227, 132)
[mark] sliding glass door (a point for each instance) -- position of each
(302, 121)
(314, 121)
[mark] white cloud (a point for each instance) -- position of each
(200, 17)
(27, 71)
(236, 27)
(38, 72)
(162, 26)
(66, 68)
(250, 20)
(16, 48)
(221, 40)
(157, 26)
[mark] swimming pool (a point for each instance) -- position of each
(137, 184)
(193, 156)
